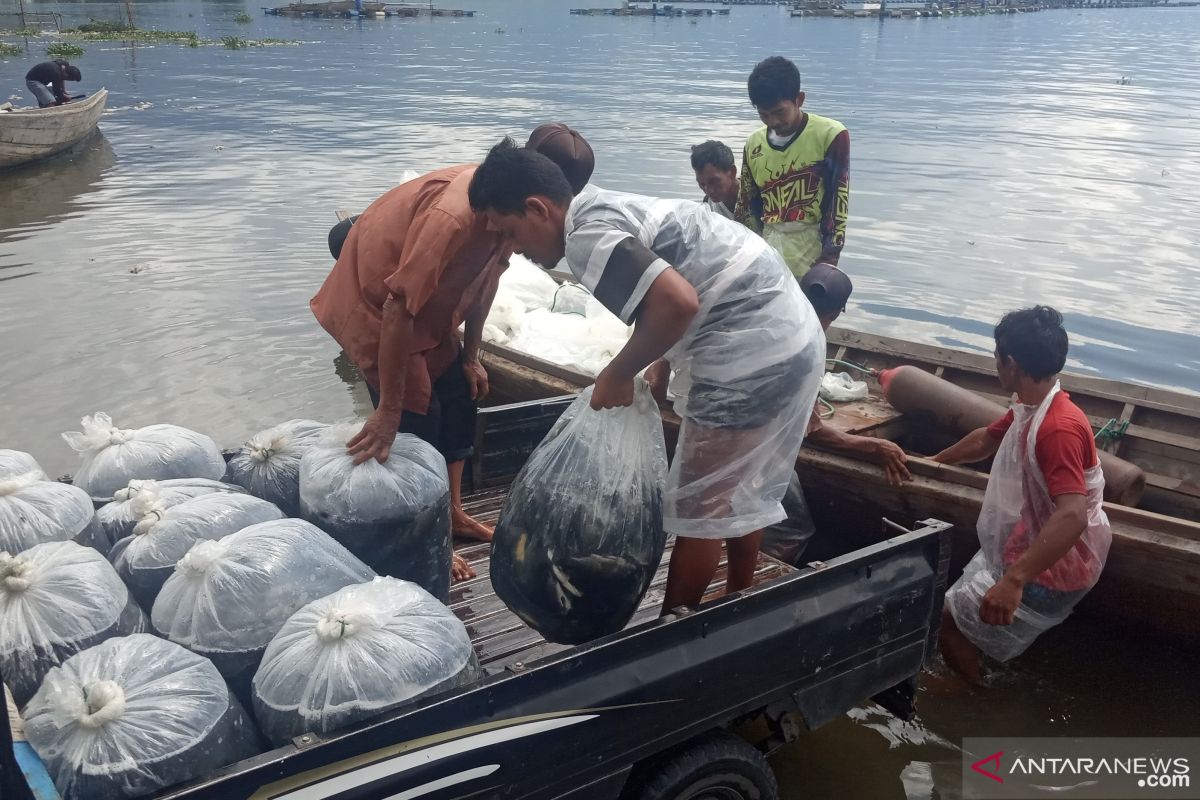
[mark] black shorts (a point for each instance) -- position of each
(449, 424)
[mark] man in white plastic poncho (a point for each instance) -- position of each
(707, 298)
(1043, 533)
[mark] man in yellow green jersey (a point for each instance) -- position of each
(795, 182)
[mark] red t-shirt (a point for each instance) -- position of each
(1065, 446)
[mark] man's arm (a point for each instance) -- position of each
(835, 204)
(749, 203)
(395, 346)
(661, 320)
(889, 455)
(1057, 537)
(477, 377)
(975, 446)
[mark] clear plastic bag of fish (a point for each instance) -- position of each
(787, 540)
(112, 456)
(118, 518)
(268, 465)
(228, 598)
(581, 532)
(357, 653)
(34, 510)
(134, 715)
(395, 516)
(162, 536)
(57, 599)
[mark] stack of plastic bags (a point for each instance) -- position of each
(395, 516)
(146, 558)
(56, 599)
(356, 653)
(133, 715)
(581, 532)
(34, 510)
(118, 518)
(227, 598)
(112, 457)
(268, 465)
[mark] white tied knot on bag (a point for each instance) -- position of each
(15, 572)
(16, 483)
(200, 559)
(338, 624)
(148, 509)
(133, 489)
(262, 446)
(98, 433)
(103, 702)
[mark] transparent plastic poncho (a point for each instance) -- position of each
(746, 371)
(134, 715)
(356, 653)
(227, 598)
(162, 536)
(1016, 506)
(118, 518)
(112, 456)
(56, 599)
(581, 532)
(395, 516)
(268, 465)
(34, 510)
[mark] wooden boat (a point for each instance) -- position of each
(33, 133)
(1153, 573)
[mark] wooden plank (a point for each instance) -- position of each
(579, 379)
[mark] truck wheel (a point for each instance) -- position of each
(717, 766)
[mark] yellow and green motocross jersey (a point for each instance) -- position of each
(798, 196)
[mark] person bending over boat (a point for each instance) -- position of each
(413, 267)
(1043, 533)
(795, 184)
(717, 176)
(47, 82)
(711, 299)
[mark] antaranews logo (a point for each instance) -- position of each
(1107, 769)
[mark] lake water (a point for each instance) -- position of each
(163, 273)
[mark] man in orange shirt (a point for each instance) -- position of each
(413, 267)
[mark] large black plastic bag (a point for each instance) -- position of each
(581, 532)
(395, 516)
(787, 540)
(228, 598)
(357, 653)
(56, 599)
(112, 456)
(34, 510)
(134, 715)
(147, 557)
(118, 517)
(268, 465)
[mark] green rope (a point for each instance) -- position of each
(852, 365)
(828, 405)
(1112, 431)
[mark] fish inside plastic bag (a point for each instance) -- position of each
(395, 516)
(268, 465)
(581, 533)
(34, 510)
(118, 518)
(112, 456)
(787, 540)
(133, 715)
(56, 599)
(356, 653)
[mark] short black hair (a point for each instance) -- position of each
(510, 175)
(712, 152)
(73, 73)
(773, 80)
(1035, 338)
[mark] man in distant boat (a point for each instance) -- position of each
(1043, 533)
(795, 183)
(414, 266)
(47, 82)
(717, 176)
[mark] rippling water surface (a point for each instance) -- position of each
(163, 273)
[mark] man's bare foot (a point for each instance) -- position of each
(956, 648)
(460, 570)
(467, 527)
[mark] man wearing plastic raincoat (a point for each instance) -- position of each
(714, 301)
(1043, 533)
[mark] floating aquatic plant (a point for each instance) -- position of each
(64, 50)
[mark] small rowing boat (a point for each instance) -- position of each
(29, 134)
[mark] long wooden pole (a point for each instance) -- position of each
(24, 24)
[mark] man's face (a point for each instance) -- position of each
(719, 185)
(784, 117)
(537, 234)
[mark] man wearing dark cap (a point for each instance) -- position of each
(414, 266)
(566, 148)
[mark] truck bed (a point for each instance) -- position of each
(501, 639)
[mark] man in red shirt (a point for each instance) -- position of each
(1043, 533)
